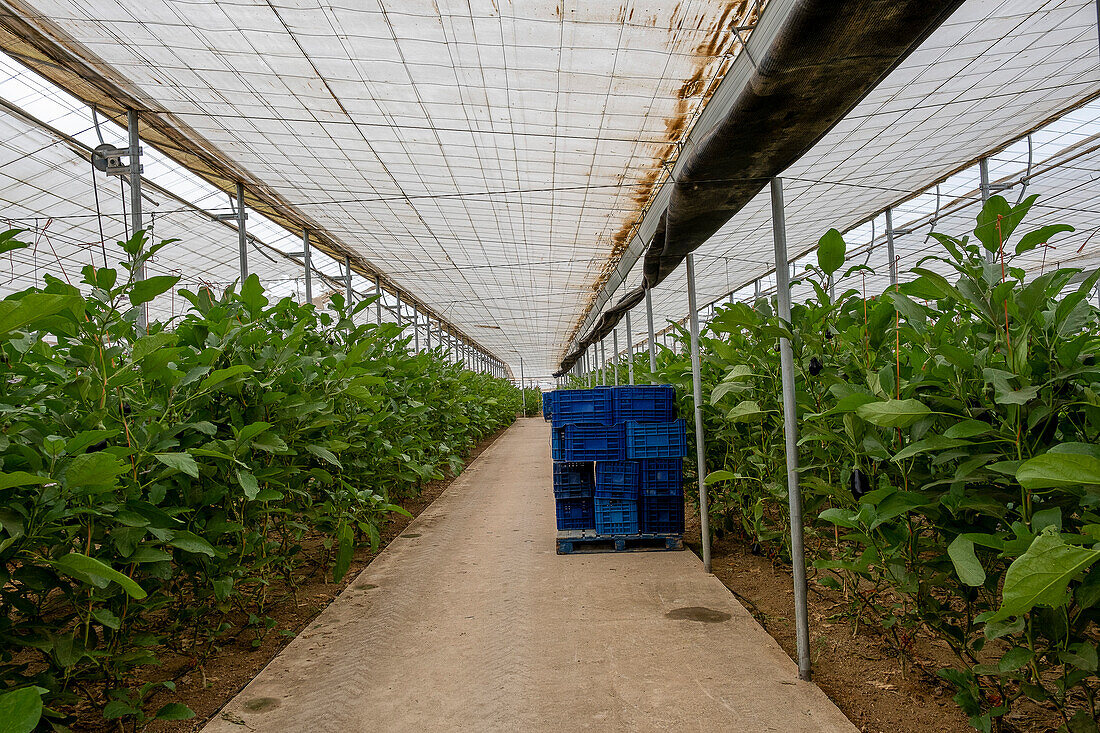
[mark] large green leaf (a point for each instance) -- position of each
(182, 462)
(16, 314)
(830, 251)
(221, 375)
(1058, 470)
(96, 573)
(145, 290)
(970, 570)
(893, 413)
(191, 542)
(21, 478)
(1041, 575)
(93, 469)
(746, 411)
(20, 710)
(1042, 235)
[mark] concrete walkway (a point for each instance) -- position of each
(470, 622)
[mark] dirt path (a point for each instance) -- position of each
(470, 621)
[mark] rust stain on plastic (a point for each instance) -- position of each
(713, 56)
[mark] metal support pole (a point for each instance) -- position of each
(347, 283)
(416, 329)
(615, 352)
(649, 323)
(890, 245)
(983, 170)
(399, 319)
(136, 224)
(522, 393)
(378, 303)
(603, 364)
(242, 232)
(790, 430)
(428, 329)
(629, 348)
(697, 389)
(309, 267)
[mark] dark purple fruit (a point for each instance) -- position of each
(96, 447)
(755, 549)
(815, 366)
(126, 409)
(828, 335)
(859, 484)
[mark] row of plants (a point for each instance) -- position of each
(949, 456)
(157, 483)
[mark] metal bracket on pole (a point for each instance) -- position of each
(790, 430)
(308, 266)
(697, 392)
(242, 233)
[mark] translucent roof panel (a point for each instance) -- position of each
(995, 71)
(491, 158)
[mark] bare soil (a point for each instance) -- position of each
(206, 688)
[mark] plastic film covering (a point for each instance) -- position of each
(990, 74)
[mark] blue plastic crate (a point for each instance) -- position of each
(663, 514)
(644, 403)
(590, 443)
(656, 440)
(662, 476)
(618, 479)
(573, 480)
(575, 514)
(576, 406)
(547, 405)
(616, 516)
(556, 450)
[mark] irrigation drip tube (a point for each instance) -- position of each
(825, 58)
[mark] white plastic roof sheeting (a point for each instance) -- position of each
(486, 156)
(995, 71)
(493, 158)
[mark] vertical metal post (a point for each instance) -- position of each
(983, 170)
(136, 224)
(522, 387)
(378, 303)
(242, 232)
(697, 390)
(890, 246)
(416, 329)
(308, 265)
(649, 323)
(428, 329)
(629, 349)
(591, 359)
(790, 430)
(347, 283)
(399, 319)
(615, 352)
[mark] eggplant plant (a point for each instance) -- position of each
(155, 483)
(948, 449)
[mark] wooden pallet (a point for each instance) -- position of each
(587, 541)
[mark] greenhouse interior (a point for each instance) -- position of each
(540, 365)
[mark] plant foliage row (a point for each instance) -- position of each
(155, 483)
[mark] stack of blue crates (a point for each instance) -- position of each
(618, 459)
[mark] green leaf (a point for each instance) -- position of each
(145, 290)
(175, 711)
(147, 345)
(252, 293)
(93, 469)
(1041, 575)
(1014, 659)
(94, 572)
(1042, 235)
(932, 443)
(20, 710)
(324, 454)
(249, 484)
(107, 618)
(191, 542)
(830, 251)
(746, 411)
(1058, 470)
(33, 308)
(715, 476)
(893, 413)
(22, 478)
(967, 429)
(248, 432)
(182, 462)
(969, 569)
(221, 375)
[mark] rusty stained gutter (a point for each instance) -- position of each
(44, 48)
(715, 56)
(812, 64)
